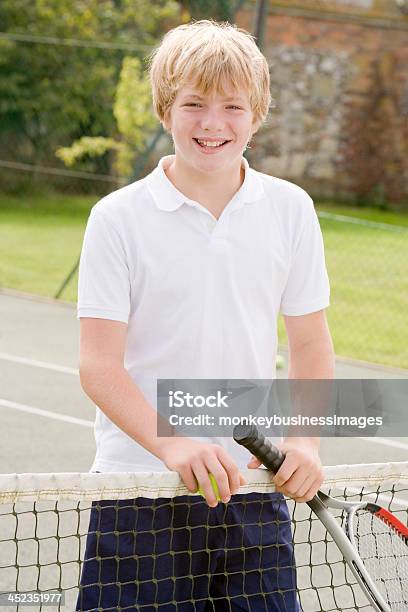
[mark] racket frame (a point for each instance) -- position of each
(346, 543)
(272, 458)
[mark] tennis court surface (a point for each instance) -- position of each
(48, 424)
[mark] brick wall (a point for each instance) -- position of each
(339, 79)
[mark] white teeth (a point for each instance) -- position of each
(211, 144)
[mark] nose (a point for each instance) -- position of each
(212, 119)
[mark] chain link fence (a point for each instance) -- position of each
(44, 204)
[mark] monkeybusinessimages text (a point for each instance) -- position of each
(182, 400)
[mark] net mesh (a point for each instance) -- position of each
(45, 520)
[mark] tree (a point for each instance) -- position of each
(60, 84)
(220, 10)
(134, 118)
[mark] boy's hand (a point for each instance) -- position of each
(300, 475)
(194, 461)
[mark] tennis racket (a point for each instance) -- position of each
(374, 543)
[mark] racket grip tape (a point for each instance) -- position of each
(249, 437)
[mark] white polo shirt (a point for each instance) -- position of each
(201, 297)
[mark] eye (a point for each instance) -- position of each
(192, 104)
(237, 107)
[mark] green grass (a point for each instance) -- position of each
(368, 270)
(40, 241)
(41, 237)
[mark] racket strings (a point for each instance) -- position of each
(384, 554)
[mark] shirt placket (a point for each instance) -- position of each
(212, 341)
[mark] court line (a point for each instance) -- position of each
(45, 413)
(75, 372)
(39, 364)
(364, 222)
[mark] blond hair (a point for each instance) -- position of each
(209, 55)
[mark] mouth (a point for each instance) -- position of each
(212, 147)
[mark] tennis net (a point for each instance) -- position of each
(44, 522)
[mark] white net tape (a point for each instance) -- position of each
(152, 485)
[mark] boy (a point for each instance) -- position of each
(182, 275)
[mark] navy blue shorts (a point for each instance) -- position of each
(181, 555)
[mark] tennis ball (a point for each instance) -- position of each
(214, 486)
(280, 362)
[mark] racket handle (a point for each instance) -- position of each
(270, 456)
(267, 453)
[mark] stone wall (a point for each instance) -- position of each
(339, 79)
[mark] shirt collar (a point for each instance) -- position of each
(167, 197)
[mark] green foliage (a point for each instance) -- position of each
(375, 198)
(56, 90)
(135, 122)
(220, 10)
(133, 113)
(378, 198)
(133, 103)
(92, 146)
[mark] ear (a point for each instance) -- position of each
(256, 124)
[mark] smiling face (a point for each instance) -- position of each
(210, 132)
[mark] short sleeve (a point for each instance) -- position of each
(307, 289)
(104, 286)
